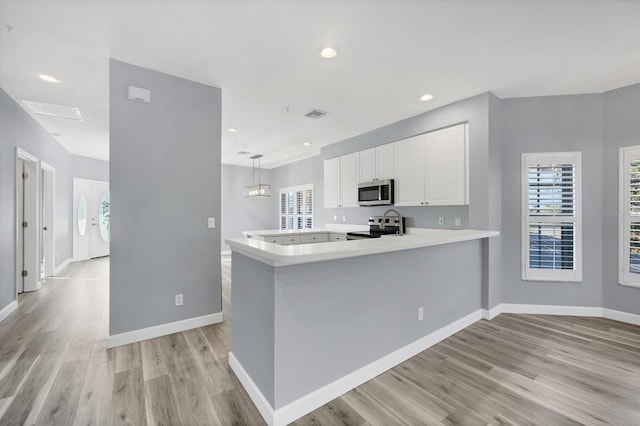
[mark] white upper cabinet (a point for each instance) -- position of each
(349, 179)
(376, 163)
(341, 180)
(409, 171)
(446, 167)
(367, 165)
(332, 182)
(384, 162)
(432, 169)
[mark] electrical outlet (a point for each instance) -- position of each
(441, 221)
(211, 222)
(344, 218)
(420, 313)
(179, 300)
(458, 221)
(335, 217)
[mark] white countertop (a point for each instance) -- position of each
(283, 255)
(335, 228)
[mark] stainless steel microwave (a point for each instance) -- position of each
(376, 193)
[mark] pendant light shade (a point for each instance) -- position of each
(260, 190)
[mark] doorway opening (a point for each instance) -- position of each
(92, 219)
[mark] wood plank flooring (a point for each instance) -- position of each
(516, 369)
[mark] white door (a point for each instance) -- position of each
(47, 247)
(100, 219)
(20, 232)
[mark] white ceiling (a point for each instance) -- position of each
(265, 57)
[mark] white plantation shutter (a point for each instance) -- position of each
(296, 207)
(630, 216)
(552, 217)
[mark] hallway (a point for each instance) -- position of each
(55, 368)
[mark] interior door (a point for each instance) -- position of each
(20, 231)
(100, 219)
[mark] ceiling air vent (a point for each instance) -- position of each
(316, 114)
(52, 110)
(243, 152)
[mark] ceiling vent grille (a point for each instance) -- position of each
(243, 152)
(316, 114)
(52, 110)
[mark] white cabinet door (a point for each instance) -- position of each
(367, 162)
(349, 179)
(384, 162)
(446, 167)
(409, 171)
(332, 183)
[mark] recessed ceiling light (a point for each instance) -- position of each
(48, 78)
(232, 130)
(426, 97)
(307, 144)
(328, 52)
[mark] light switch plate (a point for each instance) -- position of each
(211, 222)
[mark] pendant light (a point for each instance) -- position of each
(260, 190)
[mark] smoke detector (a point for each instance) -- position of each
(316, 114)
(51, 110)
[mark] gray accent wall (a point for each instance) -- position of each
(244, 214)
(165, 182)
(552, 124)
(89, 168)
(621, 128)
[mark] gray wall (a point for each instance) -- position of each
(243, 214)
(621, 128)
(165, 182)
(552, 124)
(89, 168)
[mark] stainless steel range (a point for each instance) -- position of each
(392, 225)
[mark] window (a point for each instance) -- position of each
(296, 207)
(629, 252)
(552, 222)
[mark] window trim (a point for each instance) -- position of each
(556, 275)
(624, 219)
(296, 188)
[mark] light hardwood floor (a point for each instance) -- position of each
(515, 369)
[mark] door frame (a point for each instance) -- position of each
(31, 249)
(49, 200)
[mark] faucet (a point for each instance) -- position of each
(400, 220)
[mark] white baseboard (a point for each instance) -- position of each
(7, 310)
(225, 253)
(62, 266)
(298, 408)
(489, 314)
(261, 403)
(621, 316)
(162, 330)
(581, 311)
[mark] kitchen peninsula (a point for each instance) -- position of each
(312, 321)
